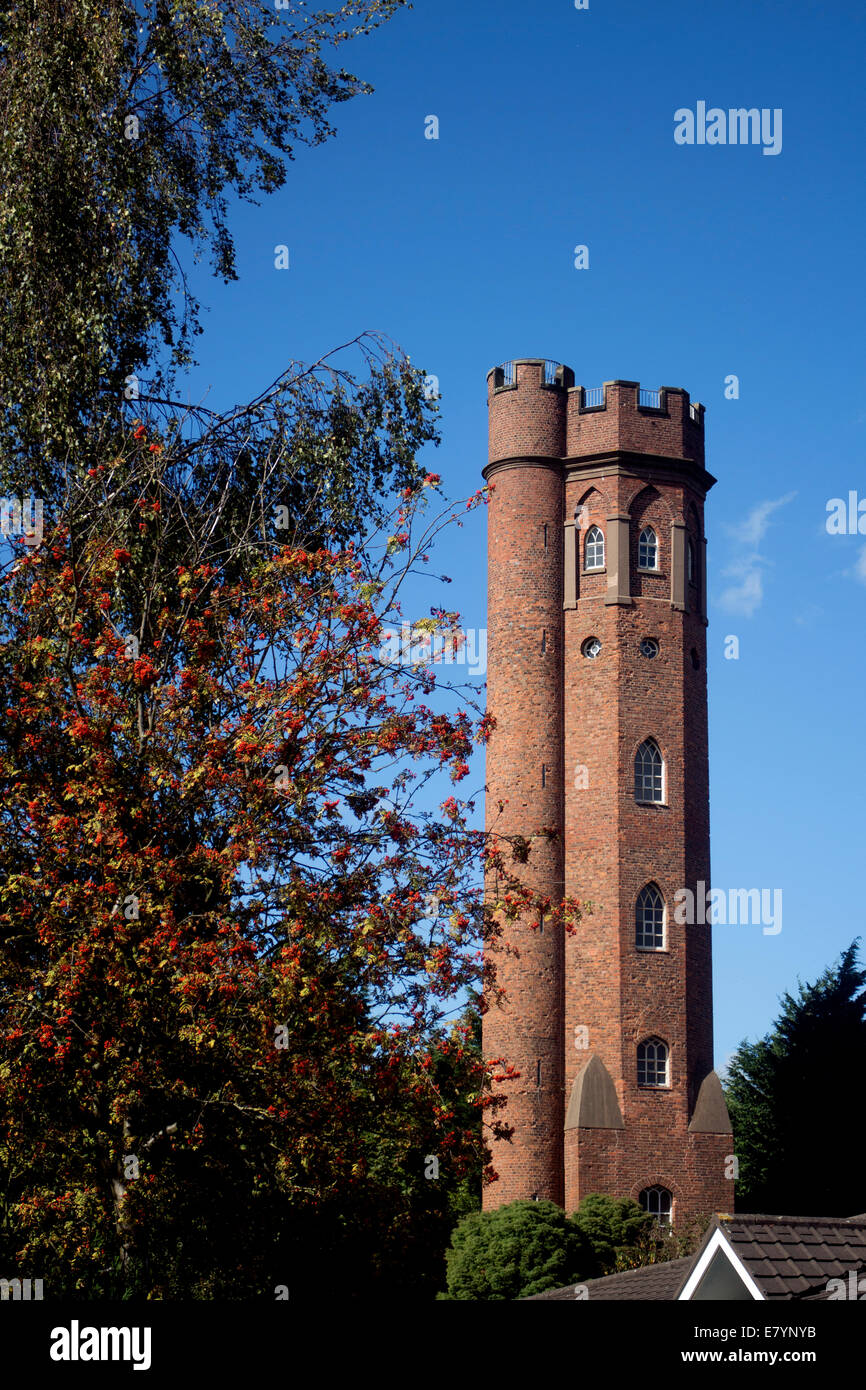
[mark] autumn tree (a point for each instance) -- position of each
(234, 933)
(240, 923)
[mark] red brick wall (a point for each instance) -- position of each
(690, 1166)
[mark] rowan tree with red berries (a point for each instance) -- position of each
(239, 919)
(242, 912)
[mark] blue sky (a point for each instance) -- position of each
(556, 129)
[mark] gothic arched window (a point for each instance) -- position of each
(658, 1202)
(593, 549)
(691, 564)
(652, 1063)
(648, 772)
(648, 550)
(649, 919)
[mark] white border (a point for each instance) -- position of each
(720, 1241)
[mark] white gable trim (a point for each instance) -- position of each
(719, 1241)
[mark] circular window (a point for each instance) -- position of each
(696, 660)
(591, 647)
(649, 646)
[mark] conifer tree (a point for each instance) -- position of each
(792, 1100)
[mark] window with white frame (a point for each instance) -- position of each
(652, 1063)
(649, 772)
(649, 919)
(593, 549)
(658, 1202)
(648, 549)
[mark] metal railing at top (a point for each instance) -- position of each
(651, 399)
(593, 395)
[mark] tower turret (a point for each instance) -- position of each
(528, 404)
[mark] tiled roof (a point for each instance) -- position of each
(654, 1282)
(795, 1256)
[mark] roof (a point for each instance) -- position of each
(774, 1258)
(796, 1256)
(659, 1282)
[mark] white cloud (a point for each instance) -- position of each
(754, 528)
(745, 595)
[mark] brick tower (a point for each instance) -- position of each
(597, 681)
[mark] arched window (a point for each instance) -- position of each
(648, 550)
(692, 567)
(648, 772)
(649, 919)
(658, 1202)
(652, 1063)
(593, 549)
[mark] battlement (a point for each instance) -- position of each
(537, 411)
(654, 401)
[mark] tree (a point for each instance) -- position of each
(514, 1251)
(611, 1225)
(124, 127)
(524, 1248)
(789, 1096)
(656, 1243)
(221, 983)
